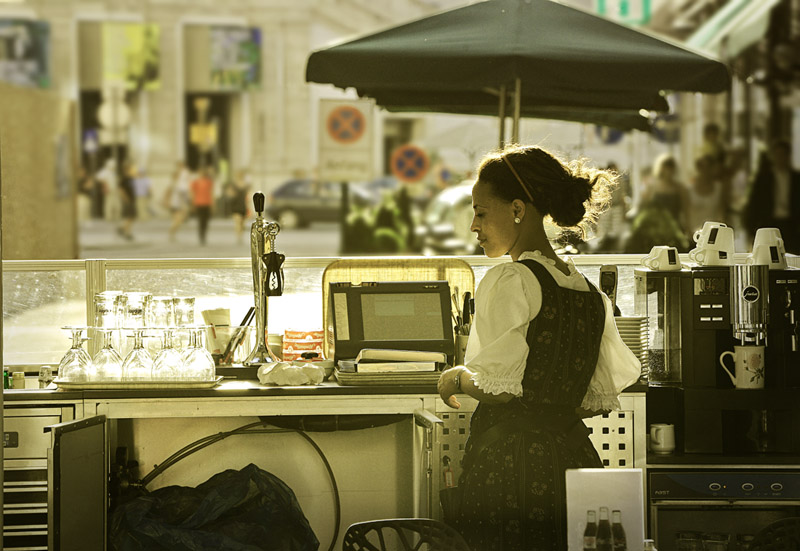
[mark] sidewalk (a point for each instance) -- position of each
(99, 239)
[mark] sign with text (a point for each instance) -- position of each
(346, 140)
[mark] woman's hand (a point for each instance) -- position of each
(449, 384)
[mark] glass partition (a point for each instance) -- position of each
(36, 304)
(41, 297)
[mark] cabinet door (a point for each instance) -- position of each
(77, 472)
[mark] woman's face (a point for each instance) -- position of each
(493, 221)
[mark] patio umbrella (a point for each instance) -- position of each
(545, 53)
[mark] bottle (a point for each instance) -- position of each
(617, 531)
(6, 382)
(605, 540)
(650, 545)
(45, 376)
(590, 534)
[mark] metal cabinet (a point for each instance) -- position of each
(25, 451)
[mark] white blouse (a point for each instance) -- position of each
(497, 349)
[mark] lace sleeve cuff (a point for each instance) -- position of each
(598, 401)
(497, 385)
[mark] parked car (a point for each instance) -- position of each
(446, 221)
(301, 202)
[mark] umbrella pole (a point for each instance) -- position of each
(502, 116)
(517, 109)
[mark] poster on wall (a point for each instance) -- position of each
(235, 58)
(24, 52)
(131, 55)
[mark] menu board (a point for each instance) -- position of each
(24, 52)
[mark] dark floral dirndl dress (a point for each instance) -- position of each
(513, 492)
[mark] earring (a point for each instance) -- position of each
(517, 220)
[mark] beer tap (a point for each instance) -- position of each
(267, 278)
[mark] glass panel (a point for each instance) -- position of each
(300, 307)
(35, 307)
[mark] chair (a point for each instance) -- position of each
(404, 534)
(781, 535)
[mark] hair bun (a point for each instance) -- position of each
(570, 209)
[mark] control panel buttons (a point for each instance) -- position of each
(747, 487)
(715, 486)
(776, 486)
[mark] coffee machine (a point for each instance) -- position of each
(718, 308)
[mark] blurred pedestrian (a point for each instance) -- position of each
(660, 216)
(202, 200)
(238, 195)
(142, 191)
(111, 204)
(708, 196)
(127, 197)
(85, 184)
(177, 199)
(774, 198)
(712, 143)
(666, 191)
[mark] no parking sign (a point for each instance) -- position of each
(346, 140)
(409, 163)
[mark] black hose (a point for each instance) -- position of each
(250, 428)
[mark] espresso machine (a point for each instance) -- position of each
(697, 314)
(267, 278)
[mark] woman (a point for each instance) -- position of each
(543, 352)
(667, 192)
(661, 217)
(708, 196)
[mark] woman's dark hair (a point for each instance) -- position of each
(571, 193)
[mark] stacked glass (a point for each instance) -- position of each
(140, 315)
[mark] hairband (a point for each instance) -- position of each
(521, 183)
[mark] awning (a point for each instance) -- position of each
(737, 26)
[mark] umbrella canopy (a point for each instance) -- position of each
(553, 55)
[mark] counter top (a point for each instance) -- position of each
(226, 389)
(233, 388)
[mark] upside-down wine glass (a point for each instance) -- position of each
(198, 364)
(169, 361)
(107, 361)
(76, 365)
(138, 365)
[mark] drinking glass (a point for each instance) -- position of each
(135, 313)
(184, 311)
(138, 364)
(106, 308)
(169, 361)
(161, 312)
(107, 362)
(198, 364)
(76, 365)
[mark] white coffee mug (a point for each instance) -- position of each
(662, 438)
(701, 236)
(662, 257)
(717, 248)
(748, 365)
(773, 256)
(767, 236)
